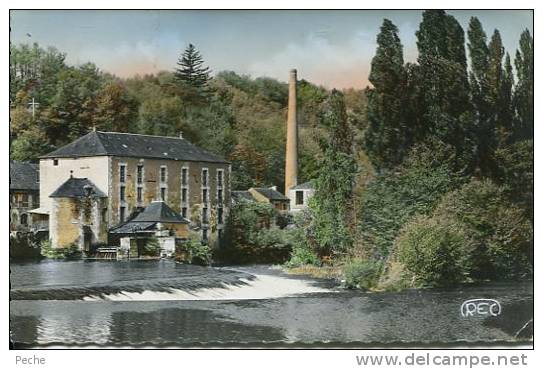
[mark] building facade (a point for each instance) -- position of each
(299, 196)
(24, 189)
(133, 170)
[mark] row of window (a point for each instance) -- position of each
(184, 190)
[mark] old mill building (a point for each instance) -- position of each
(105, 179)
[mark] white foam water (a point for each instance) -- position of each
(261, 287)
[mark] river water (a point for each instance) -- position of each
(157, 303)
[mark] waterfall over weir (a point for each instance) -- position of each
(153, 281)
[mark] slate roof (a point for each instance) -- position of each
(304, 186)
(242, 195)
(132, 227)
(159, 211)
(98, 143)
(271, 194)
(77, 187)
(24, 176)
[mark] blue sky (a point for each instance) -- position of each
(330, 48)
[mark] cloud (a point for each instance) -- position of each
(340, 64)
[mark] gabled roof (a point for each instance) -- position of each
(77, 187)
(159, 211)
(242, 195)
(98, 143)
(131, 227)
(304, 186)
(24, 176)
(271, 194)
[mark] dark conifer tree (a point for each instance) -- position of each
(191, 70)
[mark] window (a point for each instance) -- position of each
(55, 162)
(184, 212)
(122, 173)
(184, 176)
(219, 178)
(219, 216)
(184, 195)
(24, 219)
(163, 194)
(140, 174)
(205, 176)
(299, 197)
(139, 194)
(219, 235)
(122, 193)
(104, 215)
(204, 195)
(163, 174)
(122, 212)
(204, 235)
(219, 196)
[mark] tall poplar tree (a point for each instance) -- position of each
(446, 109)
(524, 92)
(388, 135)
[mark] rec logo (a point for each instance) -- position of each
(480, 307)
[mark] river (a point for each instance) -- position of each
(162, 303)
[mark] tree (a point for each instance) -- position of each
(388, 135)
(523, 100)
(115, 109)
(445, 107)
(190, 71)
(332, 203)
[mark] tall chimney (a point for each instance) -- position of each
(291, 167)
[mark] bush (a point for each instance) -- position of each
(392, 198)
(362, 274)
(151, 247)
(24, 246)
(475, 233)
(501, 234)
(197, 252)
(70, 252)
(435, 253)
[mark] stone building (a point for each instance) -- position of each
(270, 195)
(299, 196)
(133, 170)
(24, 189)
(77, 214)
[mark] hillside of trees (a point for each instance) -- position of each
(423, 179)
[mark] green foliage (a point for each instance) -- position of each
(362, 274)
(70, 252)
(24, 246)
(331, 204)
(251, 235)
(500, 233)
(392, 198)
(151, 247)
(435, 253)
(198, 252)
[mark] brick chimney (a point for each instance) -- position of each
(291, 165)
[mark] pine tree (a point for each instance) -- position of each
(191, 71)
(332, 202)
(388, 136)
(523, 100)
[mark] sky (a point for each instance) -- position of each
(329, 48)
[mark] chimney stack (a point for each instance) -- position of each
(291, 167)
